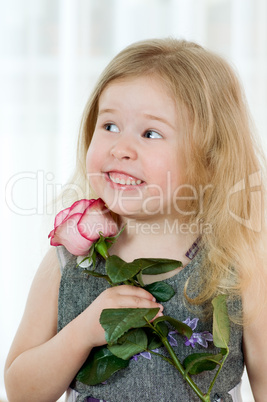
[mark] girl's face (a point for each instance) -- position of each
(134, 162)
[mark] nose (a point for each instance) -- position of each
(124, 149)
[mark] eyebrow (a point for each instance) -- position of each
(147, 115)
(103, 111)
(157, 118)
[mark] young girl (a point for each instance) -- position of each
(166, 143)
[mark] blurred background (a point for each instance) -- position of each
(51, 53)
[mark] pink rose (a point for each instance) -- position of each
(79, 226)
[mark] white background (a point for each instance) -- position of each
(51, 52)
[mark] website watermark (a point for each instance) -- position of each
(145, 228)
(43, 188)
(167, 227)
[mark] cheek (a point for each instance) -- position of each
(93, 169)
(176, 164)
(92, 158)
(166, 170)
(88, 160)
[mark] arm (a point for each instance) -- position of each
(41, 362)
(38, 354)
(254, 341)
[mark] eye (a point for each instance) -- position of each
(111, 127)
(152, 134)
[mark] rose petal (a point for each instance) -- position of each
(67, 234)
(80, 225)
(61, 216)
(80, 206)
(97, 219)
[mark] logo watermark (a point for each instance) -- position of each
(42, 189)
(254, 222)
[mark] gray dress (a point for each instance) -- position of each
(151, 380)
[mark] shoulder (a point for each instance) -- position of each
(50, 261)
(44, 291)
(44, 288)
(48, 270)
(254, 293)
(54, 263)
(255, 329)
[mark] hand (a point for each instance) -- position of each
(123, 296)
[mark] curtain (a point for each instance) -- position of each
(51, 53)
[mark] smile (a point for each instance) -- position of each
(123, 179)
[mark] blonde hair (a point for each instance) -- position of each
(221, 152)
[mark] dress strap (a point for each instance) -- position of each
(193, 250)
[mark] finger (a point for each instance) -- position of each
(134, 301)
(135, 291)
(159, 314)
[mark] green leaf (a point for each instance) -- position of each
(119, 271)
(118, 321)
(99, 366)
(130, 344)
(139, 279)
(163, 328)
(221, 323)
(156, 266)
(198, 362)
(161, 291)
(154, 341)
(224, 352)
(181, 327)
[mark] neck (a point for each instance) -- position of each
(148, 239)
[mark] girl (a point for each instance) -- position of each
(166, 142)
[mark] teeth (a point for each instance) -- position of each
(128, 182)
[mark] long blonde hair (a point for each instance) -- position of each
(220, 147)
